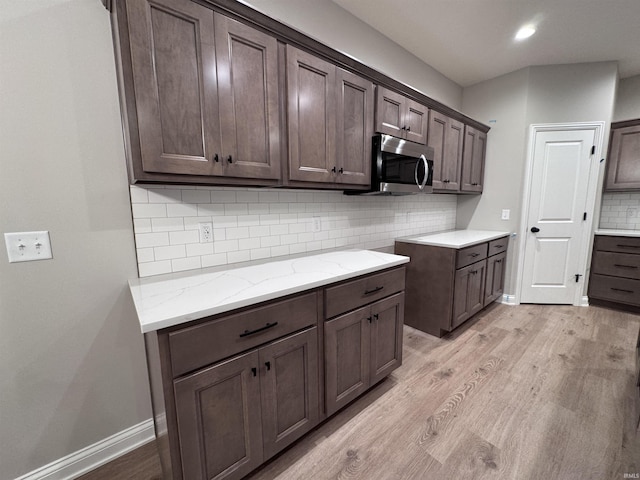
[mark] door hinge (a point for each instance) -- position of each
(593, 150)
(584, 216)
(578, 277)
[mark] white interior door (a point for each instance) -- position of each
(556, 230)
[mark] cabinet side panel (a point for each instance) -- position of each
(429, 286)
(159, 403)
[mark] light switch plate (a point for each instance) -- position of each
(506, 213)
(28, 246)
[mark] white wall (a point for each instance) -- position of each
(73, 369)
(540, 94)
(334, 26)
(628, 99)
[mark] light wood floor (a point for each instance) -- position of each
(527, 392)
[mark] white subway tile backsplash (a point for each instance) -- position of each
(252, 224)
(620, 211)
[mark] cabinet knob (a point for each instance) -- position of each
(229, 159)
(216, 158)
(474, 184)
(333, 169)
(408, 129)
(535, 229)
(341, 170)
(370, 319)
(268, 365)
(254, 371)
(375, 316)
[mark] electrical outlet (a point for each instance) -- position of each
(506, 213)
(206, 232)
(28, 246)
(632, 212)
(317, 224)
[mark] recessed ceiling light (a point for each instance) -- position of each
(525, 32)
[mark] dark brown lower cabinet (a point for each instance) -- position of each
(361, 348)
(494, 285)
(234, 415)
(446, 286)
(468, 295)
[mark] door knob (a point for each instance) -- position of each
(535, 229)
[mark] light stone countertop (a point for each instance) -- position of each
(454, 238)
(618, 233)
(168, 300)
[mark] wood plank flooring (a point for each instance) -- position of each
(530, 392)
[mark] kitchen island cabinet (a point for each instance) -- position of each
(451, 277)
(237, 358)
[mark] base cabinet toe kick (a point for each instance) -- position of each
(446, 286)
(232, 390)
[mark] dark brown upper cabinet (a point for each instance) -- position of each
(446, 137)
(330, 115)
(623, 166)
(475, 148)
(202, 93)
(401, 117)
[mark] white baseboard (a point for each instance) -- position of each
(93, 456)
(584, 301)
(508, 299)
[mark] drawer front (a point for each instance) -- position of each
(617, 264)
(618, 244)
(206, 343)
(615, 289)
(354, 294)
(469, 255)
(498, 246)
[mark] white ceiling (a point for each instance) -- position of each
(470, 41)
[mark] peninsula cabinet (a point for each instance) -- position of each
(473, 157)
(446, 137)
(447, 285)
(330, 122)
(401, 117)
(201, 94)
(623, 165)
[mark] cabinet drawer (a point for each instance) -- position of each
(203, 344)
(618, 244)
(469, 255)
(615, 289)
(354, 294)
(617, 264)
(498, 246)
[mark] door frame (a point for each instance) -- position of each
(580, 298)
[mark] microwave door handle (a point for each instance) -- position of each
(426, 172)
(416, 175)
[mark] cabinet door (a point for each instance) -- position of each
(247, 62)
(468, 296)
(346, 358)
(623, 168)
(219, 421)
(390, 112)
(354, 128)
(494, 284)
(446, 137)
(289, 383)
(386, 336)
(416, 122)
(312, 117)
(174, 74)
(475, 146)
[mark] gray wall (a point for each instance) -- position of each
(509, 104)
(334, 26)
(73, 368)
(628, 99)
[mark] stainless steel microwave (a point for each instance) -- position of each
(400, 167)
